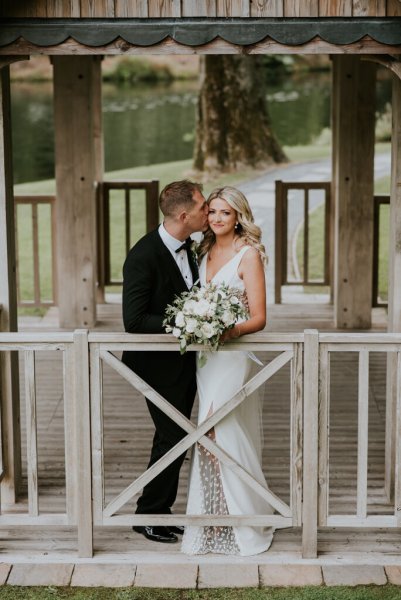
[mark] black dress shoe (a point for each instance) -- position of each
(177, 529)
(156, 534)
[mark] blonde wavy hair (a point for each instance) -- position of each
(246, 229)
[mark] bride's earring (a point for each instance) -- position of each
(236, 226)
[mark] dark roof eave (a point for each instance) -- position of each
(199, 31)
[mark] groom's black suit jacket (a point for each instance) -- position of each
(152, 279)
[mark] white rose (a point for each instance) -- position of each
(212, 309)
(234, 300)
(227, 317)
(201, 308)
(208, 330)
(189, 307)
(179, 319)
(191, 325)
(176, 332)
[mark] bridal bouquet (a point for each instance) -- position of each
(201, 315)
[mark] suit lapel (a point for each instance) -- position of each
(170, 263)
(193, 266)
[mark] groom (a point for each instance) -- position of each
(157, 268)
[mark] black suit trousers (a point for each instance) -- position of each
(159, 495)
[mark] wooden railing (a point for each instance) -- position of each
(37, 299)
(309, 355)
(283, 275)
(379, 201)
(105, 210)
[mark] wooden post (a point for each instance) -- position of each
(10, 457)
(354, 146)
(98, 154)
(311, 418)
(394, 293)
(74, 99)
(83, 429)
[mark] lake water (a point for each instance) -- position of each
(155, 124)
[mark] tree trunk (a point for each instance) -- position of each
(233, 125)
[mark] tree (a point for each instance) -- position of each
(233, 125)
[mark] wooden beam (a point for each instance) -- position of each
(354, 143)
(74, 101)
(9, 391)
(366, 45)
(394, 293)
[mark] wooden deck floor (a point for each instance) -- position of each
(128, 434)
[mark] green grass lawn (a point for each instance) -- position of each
(316, 221)
(387, 592)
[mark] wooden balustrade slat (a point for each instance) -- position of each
(70, 435)
(311, 399)
(323, 448)
(363, 423)
(31, 433)
(97, 435)
(83, 438)
(296, 426)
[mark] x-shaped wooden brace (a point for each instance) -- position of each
(196, 434)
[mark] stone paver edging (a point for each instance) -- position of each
(192, 575)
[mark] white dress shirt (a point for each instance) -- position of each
(181, 258)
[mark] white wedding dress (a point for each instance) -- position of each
(213, 487)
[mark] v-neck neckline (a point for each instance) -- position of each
(222, 267)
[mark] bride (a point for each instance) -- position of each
(231, 252)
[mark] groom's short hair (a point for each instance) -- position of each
(178, 195)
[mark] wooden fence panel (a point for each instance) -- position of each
(335, 8)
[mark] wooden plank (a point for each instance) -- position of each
(370, 521)
(83, 429)
(217, 46)
(200, 8)
(324, 436)
(176, 519)
(9, 390)
(369, 8)
(131, 8)
(152, 205)
(335, 8)
(31, 433)
(70, 436)
(355, 109)
(310, 481)
(76, 197)
(97, 434)
(363, 433)
(296, 442)
(267, 8)
(97, 8)
(233, 8)
(393, 8)
(164, 8)
(301, 8)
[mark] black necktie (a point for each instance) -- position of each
(186, 245)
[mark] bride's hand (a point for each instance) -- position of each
(230, 334)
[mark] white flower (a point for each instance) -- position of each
(227, 317)
(212, 309)
(189, 307)
(176, 332)
(191, 325)
(208, 330)
(201, 308)
(179, 319)
(234, 300)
